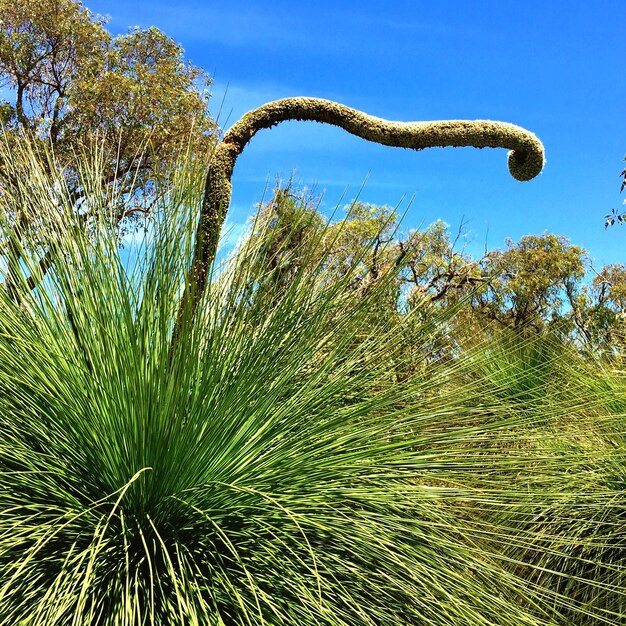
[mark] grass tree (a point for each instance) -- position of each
(269, 470)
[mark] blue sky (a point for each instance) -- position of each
(555, 67)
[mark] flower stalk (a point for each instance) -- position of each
(525, 161)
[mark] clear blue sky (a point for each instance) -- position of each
(555, 67)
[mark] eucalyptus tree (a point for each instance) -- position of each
(528, 283)
(72, 87)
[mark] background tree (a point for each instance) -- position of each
(599, 311)
(527, 282)
(409, 278)
(131, 98)
(425, 265)
(538, 283)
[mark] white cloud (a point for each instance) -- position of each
(234, 24)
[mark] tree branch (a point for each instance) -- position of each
(19, 106)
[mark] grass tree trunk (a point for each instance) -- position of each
(525, 162)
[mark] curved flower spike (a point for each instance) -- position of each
(526, 158)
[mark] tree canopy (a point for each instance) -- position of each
(74, 82)
(528, 280)
(538, 283)
(132, 99)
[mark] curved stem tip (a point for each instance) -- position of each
(525, 159)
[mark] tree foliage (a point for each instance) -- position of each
(74, 82)
(538, 283)
(528, 280)
(132, 100)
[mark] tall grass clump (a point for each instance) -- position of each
(263, 468)
(585, 527)
(553, 486)
(252, 459)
